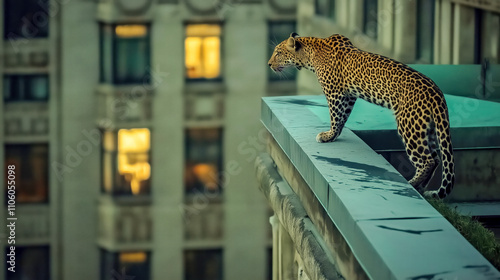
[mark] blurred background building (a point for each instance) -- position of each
(133, 125)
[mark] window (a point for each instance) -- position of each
(370, 18)
(325, 8)
(478, 36)
(31, 263)
(203, 168)
(278, 32)
(126, 162)
(203, 51)
(125, 265)
(31, 162)
(26, 19)
(25, 88)
(125, 54)
(203, 264)
(425, 31)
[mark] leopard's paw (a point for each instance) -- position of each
(324, 137)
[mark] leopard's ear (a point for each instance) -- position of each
(292, 44)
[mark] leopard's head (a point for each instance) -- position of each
(288, 53)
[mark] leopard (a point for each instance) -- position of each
(347, 73)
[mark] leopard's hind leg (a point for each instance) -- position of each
(414, 130)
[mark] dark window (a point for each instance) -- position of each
(26, 19)
(370, 18)
(325, 8)
(478, 36)
(126, 162)
(125, 265)
(31, 263)
(203, 160)
(278, 32)
(203, 264)
(125, 54)
(425, 31)
(31, 169)
(269, 269)
(202, 48)
(25, 88)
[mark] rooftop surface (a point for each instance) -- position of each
(377, 126)
(393, 232)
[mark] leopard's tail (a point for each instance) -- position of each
(442, 124)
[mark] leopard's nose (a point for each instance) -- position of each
(269, 64)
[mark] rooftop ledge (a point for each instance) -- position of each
(392, 232)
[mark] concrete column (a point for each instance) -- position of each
(275, 224)
(463, 35)
(355, 15)
(492, 37)
(245, 76)
(386, 23)
(342, 12)
(405, 26)
(286, 255)
(79, 39)
(444, 32)
(167, 134)
(55, 186)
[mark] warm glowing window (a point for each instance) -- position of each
(134, 264)
(126, 161)
(203, 160)
(202, 51)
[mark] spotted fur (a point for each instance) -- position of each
(347, 73)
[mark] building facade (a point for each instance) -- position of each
(132, 127)
(423, 31)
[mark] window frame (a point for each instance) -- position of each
(116, 190)
(218, 79)
(26, 79)
(418, 48)
(20, 250)
(192, 190)
(146, 79)
(218, 253)
(8, 12)
(279, 77)
(111, 267)
(46, 190)
(367, 18)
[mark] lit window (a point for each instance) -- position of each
(203, 264)
(125, 53)
(34, 260)
(125, 264)
(25, 88)
(370, 18)
(126, 161)
(31, 165)
(425, 31)
(202, 51)
(26, 19)
(278, 32)
(203, 160)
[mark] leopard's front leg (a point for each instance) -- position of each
(340, 106)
